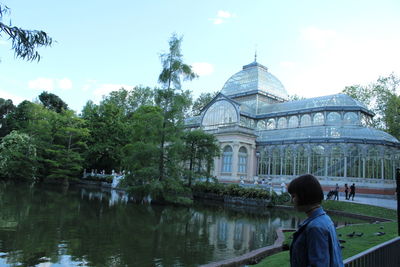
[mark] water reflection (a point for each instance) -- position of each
(82, 227)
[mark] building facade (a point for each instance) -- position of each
(264, 136)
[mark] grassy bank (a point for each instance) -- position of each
(352, 244)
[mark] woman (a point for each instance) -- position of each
(315, 242)
(346, 191)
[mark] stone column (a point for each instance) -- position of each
(235, 161)
(251, 162)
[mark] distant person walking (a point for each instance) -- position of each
(352, 191)
(346, 191)
(336, 193)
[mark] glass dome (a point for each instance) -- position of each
(254, 78)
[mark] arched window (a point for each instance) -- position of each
(242, 167)
(219, 114)
(305, 120)
(333, 118)
(271, 124)
(227, 159)
(318, 119)
(282, 123)
(261, 125)
(293, 122)
(350, 118)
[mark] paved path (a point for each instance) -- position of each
(376, 200)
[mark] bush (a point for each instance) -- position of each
(103, 178)
(233, 190)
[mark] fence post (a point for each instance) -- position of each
(398, 199)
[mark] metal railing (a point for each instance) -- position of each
(382, 255)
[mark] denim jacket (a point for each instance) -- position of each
(315, 243)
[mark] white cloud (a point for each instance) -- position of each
(202, 68)
(45, 84)
(49, 84)
(65, 83)
(222, 16)
(105, 89)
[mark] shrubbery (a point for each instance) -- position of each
(236, 190)
(105, 178)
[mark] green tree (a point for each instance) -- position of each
(380, 97)
(18, 157)
(109, 133)
(201, 102)
(172, 103)
(200, 148)
(52, 102)
(60, 139)
(130, 100)
(140, 158)
(6, 107)
(24, 42)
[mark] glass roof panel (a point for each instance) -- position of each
(337, 100)
(346, 132)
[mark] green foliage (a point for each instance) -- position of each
(60, 139)
(382, 98)
(18, 157)
(24, 42)
(200, 148)
(52, 102)
(173, 191)
(236, 190)
(6, 107)
(102, 178)
(109, 132)
(201, 102)
(174, 70)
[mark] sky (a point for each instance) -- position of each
(314, 47)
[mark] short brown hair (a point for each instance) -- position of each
(307, 189)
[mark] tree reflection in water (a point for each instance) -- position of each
(81, 227)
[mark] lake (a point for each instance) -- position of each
(52, 226)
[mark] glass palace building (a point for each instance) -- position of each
(264, 136)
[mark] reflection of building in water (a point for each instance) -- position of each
(241, 235)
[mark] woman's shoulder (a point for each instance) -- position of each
(323, 222)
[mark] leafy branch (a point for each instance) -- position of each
(24, 42)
